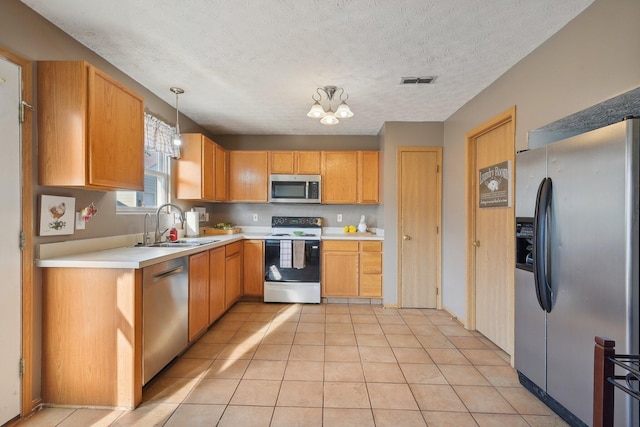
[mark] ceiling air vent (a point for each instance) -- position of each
(417, 80)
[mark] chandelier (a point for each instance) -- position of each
(329, 117)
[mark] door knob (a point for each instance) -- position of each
(406, 237)
(476, 243)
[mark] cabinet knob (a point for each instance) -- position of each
(406, 237)
(476, 243)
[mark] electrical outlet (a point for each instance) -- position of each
(255, 217)
(339, 218)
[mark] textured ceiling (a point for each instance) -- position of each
(251, 66)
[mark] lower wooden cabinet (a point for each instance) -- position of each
(253, 268)
(351, 268)
(233, 273)
(198, 294)
(370, 269)
(217, 277)
(92, 337)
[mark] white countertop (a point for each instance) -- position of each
(133, 256)
(119, 256)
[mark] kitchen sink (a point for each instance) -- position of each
(180, 243)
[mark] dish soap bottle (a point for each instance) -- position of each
(362, 226)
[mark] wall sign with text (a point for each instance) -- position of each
(495, 185)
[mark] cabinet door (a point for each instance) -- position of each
(208, 172)
(115, 134)
(282, 162)
(221, 174)
(90, 129)
(216, 284)
(248, 176)
(198, 294)
(233, 273)
(370, 269)
(253, 280)
(194, 171)
(340, 274)
(369, 181)
(308, 162)
(340, 177)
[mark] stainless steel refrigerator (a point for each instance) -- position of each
(577, 265)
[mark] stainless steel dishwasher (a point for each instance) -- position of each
(165, 314)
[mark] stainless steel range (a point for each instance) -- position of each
(292, 260)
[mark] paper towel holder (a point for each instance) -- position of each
(192, 224)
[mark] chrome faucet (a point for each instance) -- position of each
(158, 235)
(145, 234)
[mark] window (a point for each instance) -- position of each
(156, 185)
(158, 151)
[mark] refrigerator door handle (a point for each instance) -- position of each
(540, 245)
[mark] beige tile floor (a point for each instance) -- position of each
(329, 365)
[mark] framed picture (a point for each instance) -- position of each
(57, 215)
(495, 185)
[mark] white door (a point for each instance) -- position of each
(10, 264)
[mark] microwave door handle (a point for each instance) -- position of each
(306, 190)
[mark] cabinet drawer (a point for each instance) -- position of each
(371, 262)
(371, 285)
(233, 248)
(372, 246)
(340, 245)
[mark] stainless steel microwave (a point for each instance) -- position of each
(285, 188)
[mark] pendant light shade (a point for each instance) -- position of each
(328, 117)
(343, 111)
(177, 138)
(316, 111)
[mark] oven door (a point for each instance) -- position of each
(275, 272)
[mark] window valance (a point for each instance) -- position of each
(158, 136)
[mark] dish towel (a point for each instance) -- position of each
(298, 254)
(285, 254)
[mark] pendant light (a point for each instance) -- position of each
(177, 138)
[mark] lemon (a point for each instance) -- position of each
(346, 228)
(352, 229)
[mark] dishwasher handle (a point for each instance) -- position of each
(177, 270)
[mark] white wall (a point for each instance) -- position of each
(594, 58)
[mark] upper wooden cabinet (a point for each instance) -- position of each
(350, 177)
(201, 171)
(194, 172)
(221, 174)
(368, 176)
(295, 162)
(340, 177)
(248, 176)
(90, 129)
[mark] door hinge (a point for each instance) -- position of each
(21, 368)
(22, 242)
(437, 168)
(437, 230)
(437, 291)
(22, 105)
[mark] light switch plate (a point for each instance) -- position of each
(203, 216)
(80, 224)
